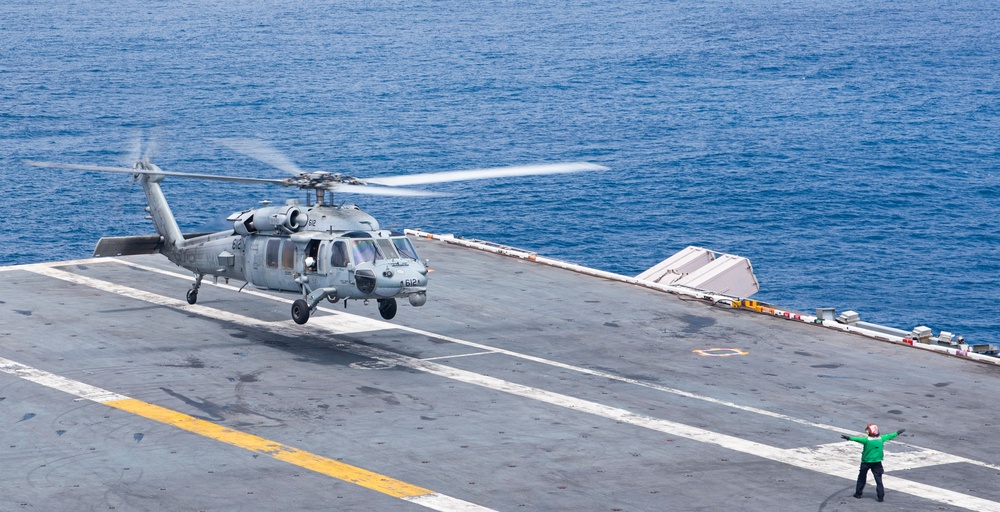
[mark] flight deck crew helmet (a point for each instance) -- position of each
(872, 430)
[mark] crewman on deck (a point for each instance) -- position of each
(871, 458)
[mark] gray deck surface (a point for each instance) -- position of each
(516, 387)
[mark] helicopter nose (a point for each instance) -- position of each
(401, 278)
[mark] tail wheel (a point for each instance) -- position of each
(300, 311)
(387, 308)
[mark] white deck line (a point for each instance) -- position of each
(364, 324)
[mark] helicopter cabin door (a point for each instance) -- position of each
(279, 265)
(322, 255)
(339, 263)
(254, 265)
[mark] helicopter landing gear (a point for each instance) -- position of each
(192, 294)
(300, 311)
(387, 308)
(302, 308)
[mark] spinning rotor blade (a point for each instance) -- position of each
(262, 151)
(103, 168)
(481, 174)
(152, 145)
(143, 145)
(126, 170)
(214, 177)
(382, 191)
(135, 149)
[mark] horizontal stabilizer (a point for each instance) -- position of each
(127, 245)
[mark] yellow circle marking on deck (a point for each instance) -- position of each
(720, 352)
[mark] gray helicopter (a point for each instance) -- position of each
(321, 250)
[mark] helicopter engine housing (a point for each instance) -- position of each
(273, 218)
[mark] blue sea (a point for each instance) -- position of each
(850, 149)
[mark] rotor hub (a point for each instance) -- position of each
(323, 180)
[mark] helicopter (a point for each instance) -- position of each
(320, 249)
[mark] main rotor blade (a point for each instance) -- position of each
(382, 191)
(78, 167)
(152, 144)
(481, 174)
(287, 182)
(262, 151)
(135, 149)
(126, 170)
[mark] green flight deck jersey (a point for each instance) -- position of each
(872, 452)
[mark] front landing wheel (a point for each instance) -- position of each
(192, 296)
(300, 311)
(387, 308)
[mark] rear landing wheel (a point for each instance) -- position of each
(387, 308)
(300, 311)
(192, 295)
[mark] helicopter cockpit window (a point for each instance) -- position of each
(339, 257)
(386, 248)
(364, 251)
(404, 247)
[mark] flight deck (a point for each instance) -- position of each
(518, 386)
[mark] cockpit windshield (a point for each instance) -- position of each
(386, 248)
(364, 251)
(371, 250)
(404, 247)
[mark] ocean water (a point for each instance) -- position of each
(851, 149)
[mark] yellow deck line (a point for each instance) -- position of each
(322, 465)
(326, 466)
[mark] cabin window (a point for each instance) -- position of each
(271, 253)
(339, 257)
(405, 248)
(364, 251)
(288, 255)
